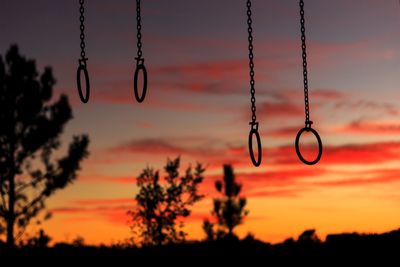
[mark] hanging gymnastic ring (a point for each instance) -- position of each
(308, 128)
(254, 131)
(140, 67)
(82, 67)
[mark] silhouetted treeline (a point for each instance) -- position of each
(307, 249)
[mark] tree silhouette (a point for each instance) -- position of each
(229, 210)
(208, 229)
(30, 129)
(162, 204)
(309, 237)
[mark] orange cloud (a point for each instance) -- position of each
(280, 193)
(96, 202)
(112, 210)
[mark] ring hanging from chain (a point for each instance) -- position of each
(297, 144)
(308, 122)
(82, 61)
(253, 123)
(254, 132)
(140, 67)
(82, 67)
(139, 59)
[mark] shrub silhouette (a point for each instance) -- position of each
(30, 132)
(42, 240)
(229, 210)
(309, 237)
(161, 204)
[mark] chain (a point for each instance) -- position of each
(308, 122)
(251, 63)
(253, 124)
(82, 61)
(82, 28)
(304, 56)
(139, 30)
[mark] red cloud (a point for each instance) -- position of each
(215, 156)
(374, 128)
(153, 146)
(288, 106)
(379, 176)
(281, 109)
(371, 153)
(328, 94)
(267, 183)
(362, 153)
(370, 106)
(279, 177)
(213, 70)
(123, 95)
(322, 94)
(285, 132)
(202, 150)
(113, 210)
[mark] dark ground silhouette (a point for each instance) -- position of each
(337, 249)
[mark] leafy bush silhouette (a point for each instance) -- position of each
(161, 204)
(42, 240)
(229, 210)
(30, 132)
(309, 237)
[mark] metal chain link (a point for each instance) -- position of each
(251, 63)
(139, 29)
(253, 124)
(82, 28)
(304, 56)
(82, 61)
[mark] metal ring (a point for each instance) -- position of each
(140, 66)
(254, 131)
(308, 129)
(78, 81)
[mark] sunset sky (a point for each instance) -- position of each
(198, 107)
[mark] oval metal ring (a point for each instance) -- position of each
(135, 83)
(308, 129)
(78, 81)
(252, 157)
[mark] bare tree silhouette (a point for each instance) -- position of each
(229, 210)
(162, 204)
(30, 129)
